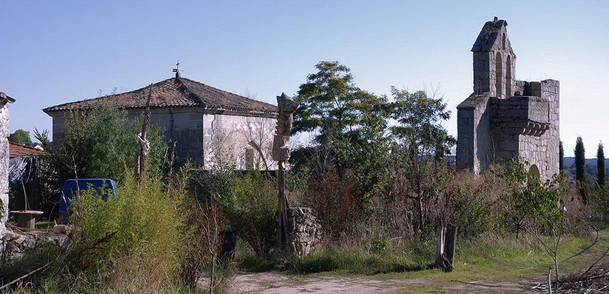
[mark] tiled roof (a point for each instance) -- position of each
(174, 93)
(18, 150)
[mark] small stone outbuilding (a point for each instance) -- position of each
(505, 118)
(4, 157)
(204, 122)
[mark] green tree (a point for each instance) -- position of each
(600, 165)
(532, 199)
(561, 157)
(419, 126)
(580, 161)
(348, 123)
(22, 137)
(420, 137)
(43, 138)
(100, 143)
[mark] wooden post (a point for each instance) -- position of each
(282, 209)
(281, 153)
(445, 253)
(140, 164)
(440, 248)
(449, 246)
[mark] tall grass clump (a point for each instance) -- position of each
(133, 242)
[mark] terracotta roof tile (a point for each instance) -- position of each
(18, 150)
(171, 93)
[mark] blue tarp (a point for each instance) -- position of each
(71, 187)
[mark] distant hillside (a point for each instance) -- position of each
(590, 167)
(569, 166)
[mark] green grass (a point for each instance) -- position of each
(504, 259)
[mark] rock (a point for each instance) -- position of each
(61, 229)
(304, 231)
(17, 242)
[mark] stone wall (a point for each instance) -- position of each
(543, 151)
(202, 138)
(4, 157)
(474, 143)
(304, 231)
(182, 126)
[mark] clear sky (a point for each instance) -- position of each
(59, 51)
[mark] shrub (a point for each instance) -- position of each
(251, 210)
(473, 203)
(132, 243)
(529, 198)
(335, 201)
(99, 143)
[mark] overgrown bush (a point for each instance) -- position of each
(133, 242)
(473, 203)
(251, 210)
(335, 201)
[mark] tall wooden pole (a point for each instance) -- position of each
(281, 153)
(144, 144)
(283, 207)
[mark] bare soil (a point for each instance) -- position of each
(277, 283)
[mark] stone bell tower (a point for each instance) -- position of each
(504, 118)
(494, 61)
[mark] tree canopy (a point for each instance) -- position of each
(580, 160)
(21, 137)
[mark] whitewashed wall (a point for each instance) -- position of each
(226, 139)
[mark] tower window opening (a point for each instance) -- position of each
(498, 75)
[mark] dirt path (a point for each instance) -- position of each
(277, 283)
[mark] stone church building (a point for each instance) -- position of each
(206, 124)
(505, 118)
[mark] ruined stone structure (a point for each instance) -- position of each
(505, 118)
(304, 230)
(206, 124)
(4, 157)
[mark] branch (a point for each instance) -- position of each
(26, 275)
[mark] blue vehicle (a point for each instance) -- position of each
(103, 187)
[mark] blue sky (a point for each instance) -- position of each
(59, 51)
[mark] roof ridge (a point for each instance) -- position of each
(190, 92)
(227, 92)
(175, 92)
(103, 97)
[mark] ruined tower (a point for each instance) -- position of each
(505, 118)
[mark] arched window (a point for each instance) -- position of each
(503, 41)
(498, 75)
(533, 170)
(508, 77)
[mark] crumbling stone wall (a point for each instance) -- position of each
(4, 157)
(505, 118)
(304, 231)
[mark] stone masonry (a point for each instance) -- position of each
(4, 156)
(505, 118)
(304, 231)
(206, 124)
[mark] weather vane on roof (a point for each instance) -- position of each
(177, 69)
